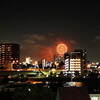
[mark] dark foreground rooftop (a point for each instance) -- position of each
(31, 92)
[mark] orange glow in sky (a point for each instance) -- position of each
(57, 48)
(61, 48)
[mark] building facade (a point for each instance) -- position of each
(76, 60)
(9, 54)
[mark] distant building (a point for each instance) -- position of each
(58, 58)
(9, 54)
(76, 60)
(67, 61)
(28, 60)
(43, 63)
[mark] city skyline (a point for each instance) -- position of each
(49, 50)
(40, 25)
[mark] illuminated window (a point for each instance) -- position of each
(9, 48)
(3, 45)
(94, 98)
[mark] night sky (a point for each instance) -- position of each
(38, 26)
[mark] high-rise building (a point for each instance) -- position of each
(76, 60)
(67, 61)
(28, 60)
(9, 54)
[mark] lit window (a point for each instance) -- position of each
(9, 49)
(94, 98)
(3, 45)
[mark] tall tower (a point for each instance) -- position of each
(9, 53)
(78, 60)
(67, 61)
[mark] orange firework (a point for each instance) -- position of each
(61, 48)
